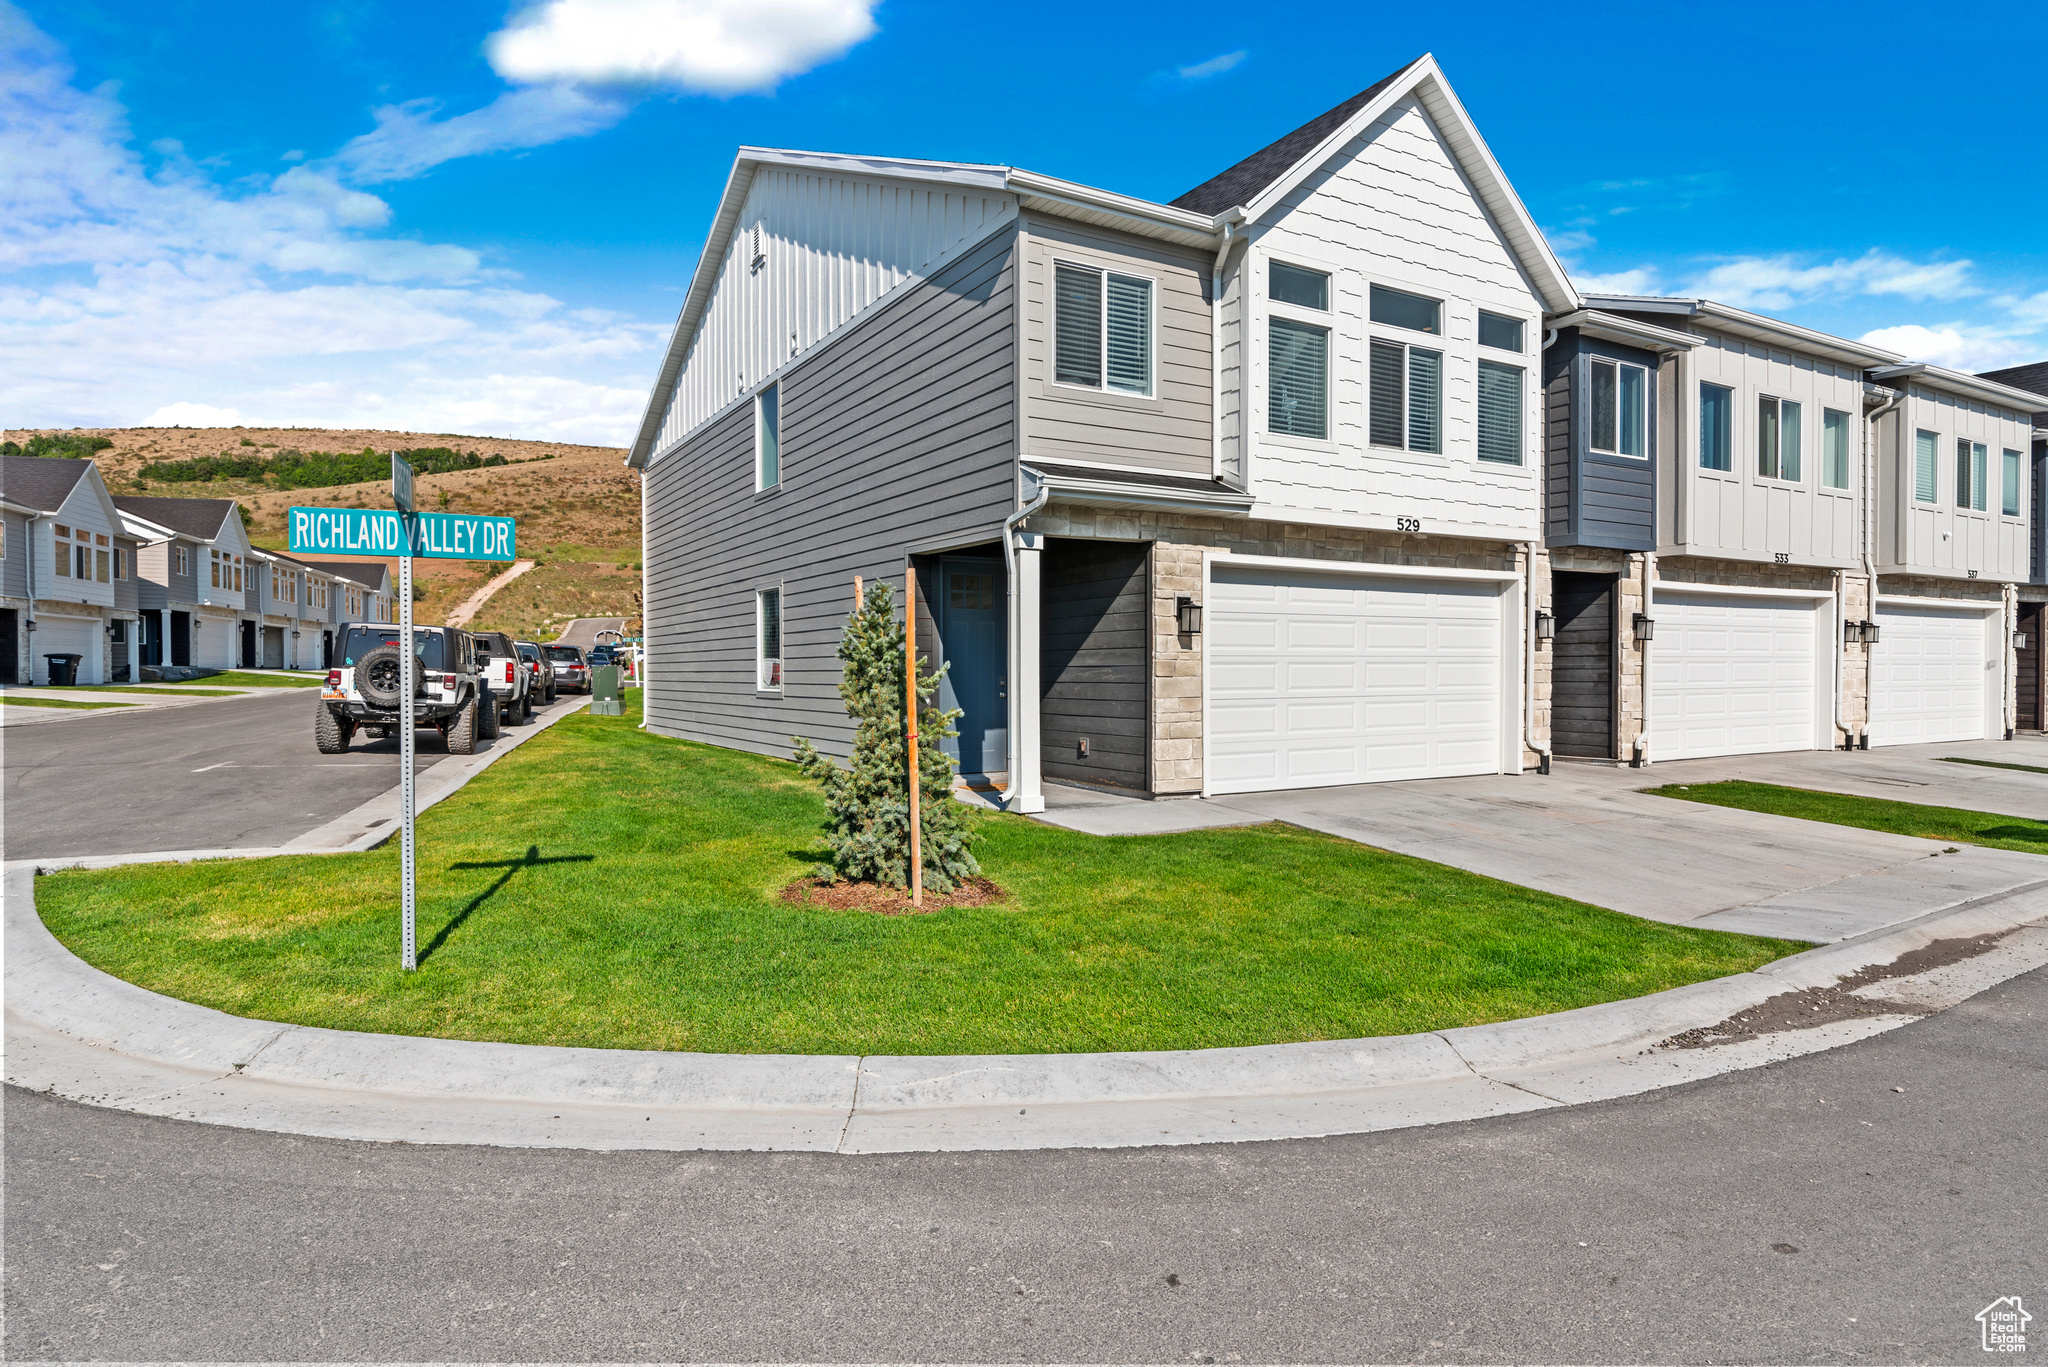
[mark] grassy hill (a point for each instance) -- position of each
(578, 509)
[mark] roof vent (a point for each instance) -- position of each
(757, 248)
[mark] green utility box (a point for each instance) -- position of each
(604, 692)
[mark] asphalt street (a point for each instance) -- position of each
(220, 775)
(1808, 1211)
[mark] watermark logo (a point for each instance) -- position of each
(2005, 1325)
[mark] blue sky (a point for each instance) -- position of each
(475, 217)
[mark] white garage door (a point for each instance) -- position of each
(1731, 675)
(70, 636)
(1927, 675)
(1319, 679)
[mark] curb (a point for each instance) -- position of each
(76, 1032)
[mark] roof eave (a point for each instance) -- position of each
(2005, 395)
(1624, 330)
(1755, 326)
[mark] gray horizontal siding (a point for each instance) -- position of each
(899, 434)
(1602, 501)
(14, 572)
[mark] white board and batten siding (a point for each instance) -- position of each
(1739, 674)
(1939, 538)
(1393, 209)
(1934, 672)
(1317, 678)
(1740, 513)
(831, 245)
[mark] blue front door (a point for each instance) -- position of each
(971, 629)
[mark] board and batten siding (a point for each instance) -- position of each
(1394, 209)
(1738, 513)
(1939, 538)
(1170, 430)
(898, 436)
(832, 245)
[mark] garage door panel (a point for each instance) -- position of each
(1352, 680)
(1732, 675)
(1928, 676)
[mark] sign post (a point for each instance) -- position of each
(408, 687)
(404, 534)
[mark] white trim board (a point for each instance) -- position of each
(1738, 590)
(1284, 562)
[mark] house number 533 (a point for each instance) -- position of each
(1407, 524)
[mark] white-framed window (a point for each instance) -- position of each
(103, 566)
(1400, 309)
(1778, 438)
(1102, 329)
(1972, 460)
(1717, 427)
(1500, 412)
(291, 587)
(83, 554)
(1618, 423)
(184, 558)
(1926, 466)
(1406, 384)
(2010, 495)
(120, 562)
(1500, 332)
(60, 556)
(1297, 353)
(768, 438)
(768, 640)
(1834, 448)
(213, 559)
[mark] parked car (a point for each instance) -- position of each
(506, 675)
(572, 667)
(365, 691)
(541, 669)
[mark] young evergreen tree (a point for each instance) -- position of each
(868, 829)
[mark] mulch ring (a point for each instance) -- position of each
(884, 900)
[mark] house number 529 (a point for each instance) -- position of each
(1407, 524)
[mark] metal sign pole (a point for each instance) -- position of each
(408, 688)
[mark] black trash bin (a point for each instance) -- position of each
(63, 670)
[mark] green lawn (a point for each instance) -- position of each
(159, 690)
(10, 700)
(1953, 824)
(604, 887)
(239, 678)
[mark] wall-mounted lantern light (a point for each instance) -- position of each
(1189, 615)
(1646, 627)
(1852, 633)
(1546, 626)
(1870, 631)
(2019, 640)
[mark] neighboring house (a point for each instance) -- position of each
(1707, 531)
(2030, 679)
(1229, 494)
(292, 614)
(167, 593)
(68, 565)
(202, 570)
(361, 591)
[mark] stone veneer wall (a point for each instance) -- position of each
(1178, 543)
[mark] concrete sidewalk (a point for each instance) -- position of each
(1588, 832)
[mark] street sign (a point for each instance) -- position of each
(381, 531)
(401, 484)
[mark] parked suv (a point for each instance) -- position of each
(541, 668)
(572, 670)
(507, 677)
(363, 693)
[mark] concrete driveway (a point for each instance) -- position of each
(1588, 832)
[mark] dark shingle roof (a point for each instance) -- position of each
(200, 517)
(40, 482)
(2032, 378)
(1242, 183)
(365, 574)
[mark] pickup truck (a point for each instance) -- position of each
(507, 678)
(363, 692)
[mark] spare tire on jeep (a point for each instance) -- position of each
(379, 675)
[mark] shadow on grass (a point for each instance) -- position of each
(2033, 835)
(531, 860)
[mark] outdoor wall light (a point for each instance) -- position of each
(1189, 614)
(1870, 630)
(1852, 633)
(2019, 640)
(1546, 626)
(1646, 627)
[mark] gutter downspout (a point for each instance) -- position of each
(1229, 239)
(1529, 629)
(33, 519)
(1870, 538)
(1034, 502)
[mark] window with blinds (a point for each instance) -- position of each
(1618, 420)
(1717, 427)
(1926, 460)
(1777, 438)
(1297, 379)
(1834, 448)
(768, 655)
(1102, 329)
(1971, 472)
(1500, 413)
(2010, 505)
(1406, 394)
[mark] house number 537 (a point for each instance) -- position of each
(1407, 524)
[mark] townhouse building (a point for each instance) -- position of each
(196, 568)
(67, 572)
(292, 609)
(2030, 691)
(1233, 493)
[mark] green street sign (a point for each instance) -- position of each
(401, 484)
(382, 531)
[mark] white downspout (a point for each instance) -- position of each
(1229, 239)
(1014, 790)
(1870, 541)
(33, 519)
(1529, 646)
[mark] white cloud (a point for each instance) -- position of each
(193, 415)
(1642, 280)
(718, 47)
(1215, 66)
(1776, 282)
(409, 140)
(131, 292)
(1959, 346)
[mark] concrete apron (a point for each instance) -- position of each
(76, 1032)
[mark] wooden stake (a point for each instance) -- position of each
(910, 688)
(859, 601)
